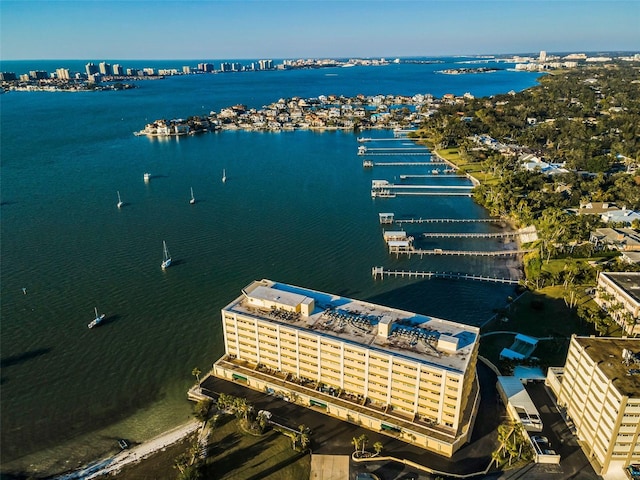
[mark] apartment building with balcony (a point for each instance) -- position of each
(619, 294)
(407, 375)
(599, 391)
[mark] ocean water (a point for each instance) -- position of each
(296, 208)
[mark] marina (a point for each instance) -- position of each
(381, 272)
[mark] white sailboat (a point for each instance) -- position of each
(97, 320)
(193, 199)
(224, 175)
(166, 257)
(120, 202)
(147, 177)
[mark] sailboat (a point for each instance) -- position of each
(97, 320)
(193, 199)
(166, 257)
(224, 175)
(120, 202)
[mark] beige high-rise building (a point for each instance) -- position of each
(407, 375)
(619, 294)
(600, 390)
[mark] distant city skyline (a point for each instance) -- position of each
(249, 29)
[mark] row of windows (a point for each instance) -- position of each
(376, 362)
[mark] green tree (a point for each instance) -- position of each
(377, 446)
(196, 373)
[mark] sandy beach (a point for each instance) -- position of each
(132, 455)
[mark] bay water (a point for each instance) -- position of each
(296, 208)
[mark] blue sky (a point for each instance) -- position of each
(240, 29)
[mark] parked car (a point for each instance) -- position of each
(540, 440)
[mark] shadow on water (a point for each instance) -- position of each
(23, 357)
(176, 263)
(110, 319)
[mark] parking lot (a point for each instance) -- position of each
(331, 436)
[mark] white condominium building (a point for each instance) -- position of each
(407, 375)
(619, 294)
(600, 390)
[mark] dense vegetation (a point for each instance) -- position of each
(587, 118)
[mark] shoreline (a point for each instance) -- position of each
(113, 464)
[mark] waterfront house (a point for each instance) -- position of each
(622, 216)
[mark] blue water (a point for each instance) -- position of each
(296, 208)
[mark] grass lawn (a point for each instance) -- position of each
(159, 465)
(474, 169)
(234, 455)
(539, 314)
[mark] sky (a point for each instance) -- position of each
(279, 29)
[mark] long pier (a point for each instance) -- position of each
(448, 220)
(424, 194)
(469, 253)
(380, 272)
(470, 235)
(410, 164)
(448, 175)
(394, 153)
(395, 139)
(428, 187)
(370, 149)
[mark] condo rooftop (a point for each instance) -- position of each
(430, 340)
(618, 359)
(627, 281)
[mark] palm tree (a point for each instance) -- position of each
(355, 441)
(363, 441)
(262, 420)
(304, 440)
(196, 373)
(496, 456)
(377, 447)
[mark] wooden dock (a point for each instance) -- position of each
(461, 253)
(368, 152)
(396, 139)
(380, 272)
(448, 220)
(427, 187)
(424, 194)
(469, 235)
(411, 164)
(446, 175)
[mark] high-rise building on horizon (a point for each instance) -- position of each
(105, 68)
(63, 73)
(91, 68)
